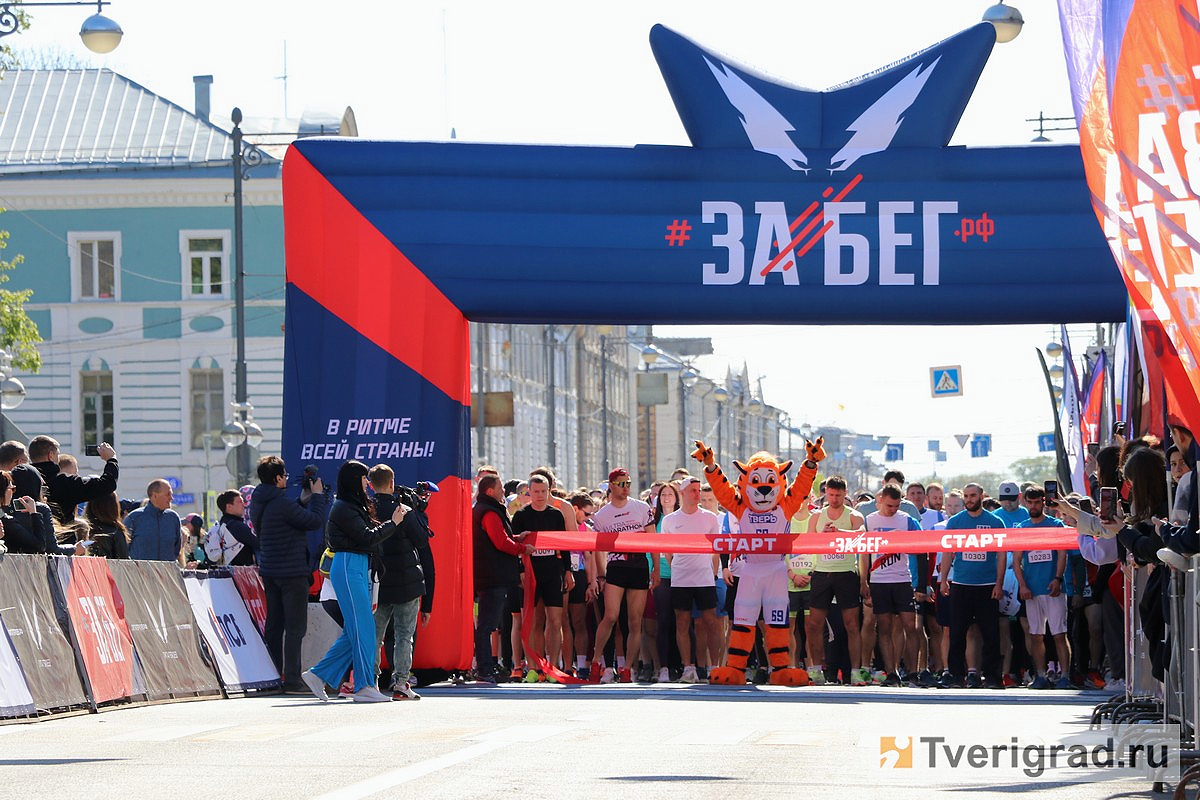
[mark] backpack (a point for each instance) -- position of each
(220, 546)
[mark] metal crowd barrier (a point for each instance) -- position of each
(1183, 694)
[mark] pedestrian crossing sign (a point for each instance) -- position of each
(946, 381)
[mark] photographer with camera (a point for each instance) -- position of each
(68, 491)
(282, 525)
(406, 580)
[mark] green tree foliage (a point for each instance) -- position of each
(1034, 468)
(18, 333)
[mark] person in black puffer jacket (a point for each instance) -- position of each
(353, 536)
(282, 525)
(406, 580)
(23, 525)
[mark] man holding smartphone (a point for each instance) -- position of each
(66, 492)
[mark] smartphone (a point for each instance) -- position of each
(91, 450)
(1118, 429)
(1093, 448)
(1108, 503)
(1051, 489)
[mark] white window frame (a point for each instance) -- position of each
(74, 238)
(191, 410)
(83, 433)
(185, 260)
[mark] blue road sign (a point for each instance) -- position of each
(1045, 442)
(935, 445)
(945, 381)
(981, 445)
(894, 452)
(175, 483)
(184, 499)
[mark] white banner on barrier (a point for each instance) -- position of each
(15, 699)
(232, 638)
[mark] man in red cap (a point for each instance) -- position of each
(620, 576)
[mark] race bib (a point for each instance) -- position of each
(801, 563)
(974, 556)
(833, 557)
(1040, 556)
(545, 552)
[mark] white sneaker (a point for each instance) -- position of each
(609, 676)
(1115, 685)
(369, 694)
(664, 676)
(315, 685)
(689, 675)
(404, 691)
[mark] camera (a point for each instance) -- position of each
(415, 497)
(310, 475)
(91, 450)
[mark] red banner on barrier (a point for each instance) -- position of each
(974, 540)
(98, 618)
(250, 587)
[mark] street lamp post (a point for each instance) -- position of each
(687, 379)
(241, 432)
(99, 33)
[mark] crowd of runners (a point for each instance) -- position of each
(1049, 619)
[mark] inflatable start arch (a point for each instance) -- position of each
(791, 206)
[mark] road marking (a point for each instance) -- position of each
(704, 736)
(488, 742)
(253, 733)
(166, 733)
(354, 733)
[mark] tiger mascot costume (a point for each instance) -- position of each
(761, 502)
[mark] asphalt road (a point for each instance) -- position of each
(552, 742)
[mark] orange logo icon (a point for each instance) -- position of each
(895, 752)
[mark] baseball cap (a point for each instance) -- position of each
(688, 480)
(1009, 491)
(194, 519)
(619, 472)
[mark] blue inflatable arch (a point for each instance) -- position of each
(791, 206)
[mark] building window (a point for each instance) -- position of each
(205, 263)
(208, 406)
(95, 264)
(96, 400)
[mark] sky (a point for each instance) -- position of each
(569, 73)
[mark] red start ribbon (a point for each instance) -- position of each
(850, 543)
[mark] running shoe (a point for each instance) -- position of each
(948, 681)
(369, 694)
(974, 681)
(645, 673)
(517, 674)
(1064, 683)
(689, 675)
(1040, 682)
(1008, 681)
(1095, 679)
(533, 676)
(878, 677)
(817, 676)
(404, 692)
(625, 674)
(860, 677)
(315, 685)
(926, 679)
(993, 683)
(761, 676)
(890, 679)
(1115, 685)
(584, 674)
(664, 675)
(346, 690)
(610, 676)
